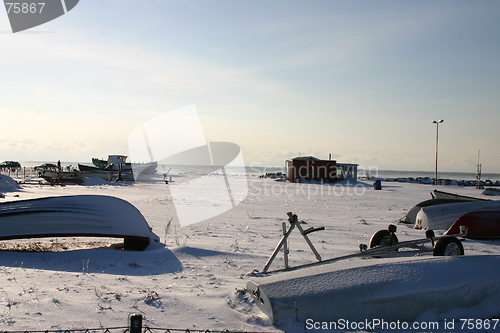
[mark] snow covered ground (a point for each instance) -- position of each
(195, 278)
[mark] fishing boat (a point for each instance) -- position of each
(113, 161)
(480, 224)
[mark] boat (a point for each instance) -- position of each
(61, 177)
(491, 191)
(88, 168)
(390, 291)
(113, 161)
(78, 177)
(480, 224)
(411, 216)
(436, 194)
(77, 215)
(438, 198)
(441, 217)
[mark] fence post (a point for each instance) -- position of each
(135, 323)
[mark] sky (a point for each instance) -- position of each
(361, 80)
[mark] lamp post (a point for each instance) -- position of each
(437, 122)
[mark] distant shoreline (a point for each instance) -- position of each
(362, 172)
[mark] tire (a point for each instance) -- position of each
(383, 238)
(448, 246)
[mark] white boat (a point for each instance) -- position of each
(411, 216)
(392, 291)
(79, 215)
(442, 217)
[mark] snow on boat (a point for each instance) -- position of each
(394, 291)
(79, 215)
(480, 224)
(441, 217)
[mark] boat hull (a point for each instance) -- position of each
(393, 291)
(442, 217)
(72, 216)
(411, 216)
(480, 224)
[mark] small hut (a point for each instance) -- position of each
(311, 168)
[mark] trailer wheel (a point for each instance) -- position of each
(383, 238)
(448, 246)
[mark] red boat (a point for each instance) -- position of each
(480, 224)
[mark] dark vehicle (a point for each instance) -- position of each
(10, 165)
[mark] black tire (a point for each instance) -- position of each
(448, 246)
(134, 244)
(383, 238)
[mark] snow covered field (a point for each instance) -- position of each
(196, 278)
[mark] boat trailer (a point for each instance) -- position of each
(382, 243)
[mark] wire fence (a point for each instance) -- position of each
(135, 326)
(133, 330)
(20, 173)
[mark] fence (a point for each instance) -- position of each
(20, 173)
(135, 326)
(128, 330)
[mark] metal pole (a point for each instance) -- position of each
(276, 250)
(285, 245)
(437, 137)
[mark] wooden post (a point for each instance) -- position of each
(276, 250)
(285, 245)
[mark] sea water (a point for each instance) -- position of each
(262, 170)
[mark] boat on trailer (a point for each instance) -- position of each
(309, 292)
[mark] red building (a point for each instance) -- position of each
(312, 168)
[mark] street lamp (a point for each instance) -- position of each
(437, 132)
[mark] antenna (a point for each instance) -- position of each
(478, 171)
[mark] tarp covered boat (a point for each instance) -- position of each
(79, 215)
